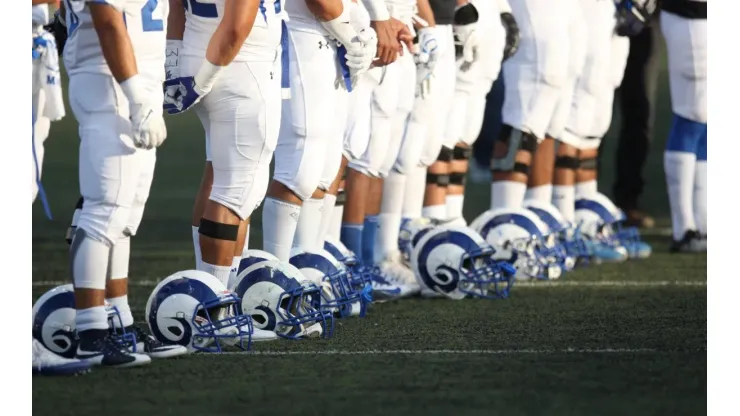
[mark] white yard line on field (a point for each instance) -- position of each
(453, 352)
(530, 284)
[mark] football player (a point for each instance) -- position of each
(326, 55)
(684, 26)
(534, 101)
(114, 58)
(227, 63)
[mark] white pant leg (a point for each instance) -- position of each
(405, 105)
(308, 123)
(686, 43)
(537, 72)
(442, 95)
(357, 132)
(243, 116)
(111, 169)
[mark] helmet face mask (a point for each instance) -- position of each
(220, 321)
(482, 276)
(301, 313)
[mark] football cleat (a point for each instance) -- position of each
(692, 242)
(47, 363)
(99, 347)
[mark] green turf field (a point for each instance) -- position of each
(608, 340)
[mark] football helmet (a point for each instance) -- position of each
(279, 298)
(335, 280)
(412, 229)
(518, 236)
(194, 309)
(54, 321)
(249, 258)
(359, 276)
(456, 262)
(601, 221)
(563, 238)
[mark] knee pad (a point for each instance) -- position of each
(217, 230)
(590, 163)
(516, 140)
(257, 194)
(685, 135)
(300, 168)
(567, 162)
(438, 179)
(458, 178)
(332, 164)
(462, 153)
(147, 160)
(445, 155)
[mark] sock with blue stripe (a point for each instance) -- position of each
(369, 232)
(351, 237)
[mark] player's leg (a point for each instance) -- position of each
(686, 45)
(534, 77)
(204, 190)
(437, 153)
(109, 174)
(306, 128)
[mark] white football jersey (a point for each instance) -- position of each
(203, 16)
(402, 10)
(146, 21)
(302, 19)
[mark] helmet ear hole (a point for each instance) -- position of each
(467, 264)
(259, 319)
(175, 330)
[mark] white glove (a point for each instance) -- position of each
(359, 54)
(145, 112)
(427, 53)
(172, 59)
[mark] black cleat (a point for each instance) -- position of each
(98, 347)
(147, 344)
(692, 242)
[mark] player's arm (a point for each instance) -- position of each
(510, 26)
(176, 20)
(232, 31)
(325, 10)
(37, 2)
(114, 40)
(424, 11)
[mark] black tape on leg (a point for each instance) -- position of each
(566, 162)
(518, 167)
(438, 179)
(589, 164)
(445, 155)
(217, 230)
(457, 178)
(516, 140)
(462, 153)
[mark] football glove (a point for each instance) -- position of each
(184, 92)
(633, 16)
(466, 20)
(147, 125)
(172, 59)
(361, 46)
(512, 34)
(426, 56)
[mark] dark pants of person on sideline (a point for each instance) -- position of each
(483, 146)
(637, 101)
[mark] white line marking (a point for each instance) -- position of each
(530, 284)
(453, 352)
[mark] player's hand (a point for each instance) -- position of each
(172, 59)
(468, 38)
(180, 94)
(147, 125)
(58, 28)
(360, 53)
(512, 34)
(388, 45)
(403, 35)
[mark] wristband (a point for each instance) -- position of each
(134, 89)
(207, 75)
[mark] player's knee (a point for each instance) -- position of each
(446, 155)
(462, 153)
(438, 179)
(103, 221)
(86, 242)
(510, 142)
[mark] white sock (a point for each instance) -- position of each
(307, 232)
(279, 222)
(507, 194)
(222, 273)
(196, 246)
(564, 199)
(389, 220)
(413, 196)
(680, 171)
(327, 215)
(454, 204)
(91, 318)
(121, 303)
(586, 189)
(700, 196)
(234, 271)
(246, 239)
(335, 228)
(539, 193)
(89, 261)
(436, 212)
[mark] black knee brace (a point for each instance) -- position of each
(217, 230)
(516, 140)
(438, 179)
(588, 164)
(566, 162)
(445, 155)
(462, 153)
(457, 178)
